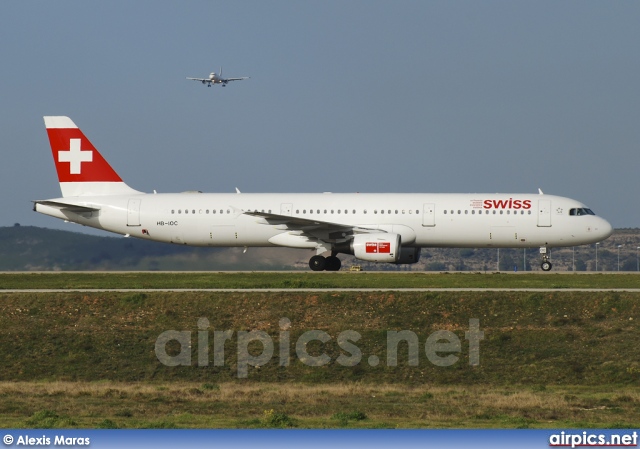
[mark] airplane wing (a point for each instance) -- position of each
(200, 79)
(235, 79)
(322, 230)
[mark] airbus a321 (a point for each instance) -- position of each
(216, 78)
(375, 227)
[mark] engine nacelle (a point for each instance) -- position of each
(376, 247)
(409, 255)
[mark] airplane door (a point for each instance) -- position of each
(429, 214)
(223, 235)
(133, 213)
(285, 208)
(501, 235)
(544, 213)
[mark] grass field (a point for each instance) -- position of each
(142, 280)
(342, 405)
(559, 359)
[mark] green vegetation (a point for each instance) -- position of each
(530, 338)
(560, 359)
(275, 420)
(344, 418)
(306, 280)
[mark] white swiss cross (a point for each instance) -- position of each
(75, 156)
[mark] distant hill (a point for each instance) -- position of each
(33, 248)
(41, 249)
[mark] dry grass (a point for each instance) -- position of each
(190, 405)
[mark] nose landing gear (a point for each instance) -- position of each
(545, 265)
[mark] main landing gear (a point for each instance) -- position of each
(545, 265)
(320, 263)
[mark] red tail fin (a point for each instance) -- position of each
(81, 168)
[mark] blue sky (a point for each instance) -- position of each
(368, 96)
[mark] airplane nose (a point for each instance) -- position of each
(604, 228)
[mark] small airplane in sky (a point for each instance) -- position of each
(216, 78)
(376, 227)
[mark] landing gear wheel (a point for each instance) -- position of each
(317, 263)
(546, 266)
(332, 263)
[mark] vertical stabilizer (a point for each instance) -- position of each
(82, 171)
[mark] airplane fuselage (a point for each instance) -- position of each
(422, 220)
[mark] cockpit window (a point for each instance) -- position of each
(581, 211)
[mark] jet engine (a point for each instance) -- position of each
(376, 247)
(409, 255)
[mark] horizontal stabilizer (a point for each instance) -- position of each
(68, 207)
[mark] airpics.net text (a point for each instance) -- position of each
(442, 347)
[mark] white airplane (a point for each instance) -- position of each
(216, 78)
(376, 227)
